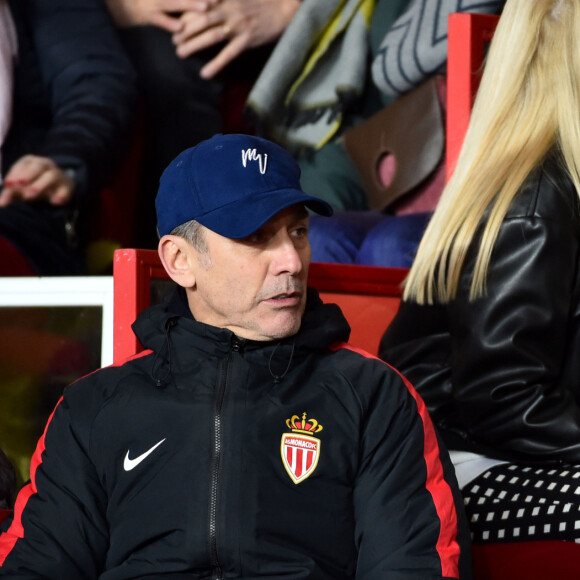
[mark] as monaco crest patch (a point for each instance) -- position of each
(299, 449)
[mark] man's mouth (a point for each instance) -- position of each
(286, 295)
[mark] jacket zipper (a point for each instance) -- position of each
(217, 449)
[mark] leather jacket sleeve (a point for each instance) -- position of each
(513, 376)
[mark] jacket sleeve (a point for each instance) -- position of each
(512, 380)
(59, 526)
(92, 85)
(410, 522)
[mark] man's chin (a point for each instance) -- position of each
(285, 325)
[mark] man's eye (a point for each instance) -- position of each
(300, 232)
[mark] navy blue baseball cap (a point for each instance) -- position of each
(231, 184)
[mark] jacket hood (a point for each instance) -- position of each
(322, 324)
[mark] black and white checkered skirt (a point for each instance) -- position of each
(511, 503)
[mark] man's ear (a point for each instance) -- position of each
(177, 257)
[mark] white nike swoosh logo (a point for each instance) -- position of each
(129, 464)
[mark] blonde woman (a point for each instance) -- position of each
(489, 329)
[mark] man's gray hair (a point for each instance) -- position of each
(193, 232)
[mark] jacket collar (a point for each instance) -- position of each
(322, 325)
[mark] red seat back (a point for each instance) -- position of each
(468, 37)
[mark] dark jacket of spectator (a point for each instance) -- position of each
(75, 98)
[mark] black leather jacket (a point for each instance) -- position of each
(501, 375)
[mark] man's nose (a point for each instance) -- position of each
(287, 259)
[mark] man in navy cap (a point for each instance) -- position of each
(249, 440)
(234, 230)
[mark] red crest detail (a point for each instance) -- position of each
(300, 454)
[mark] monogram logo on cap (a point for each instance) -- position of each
(253, 155)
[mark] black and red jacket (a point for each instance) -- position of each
(211, 456)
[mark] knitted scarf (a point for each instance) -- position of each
(316, 70)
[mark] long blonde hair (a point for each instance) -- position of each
(528, 102)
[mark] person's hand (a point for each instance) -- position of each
(34, 178)
(241, 24)
(160, 13)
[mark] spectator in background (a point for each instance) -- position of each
(378, 54)
(489, 331)
(73, 103)
(196, 61)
